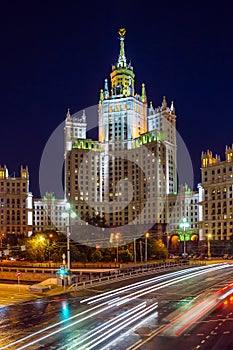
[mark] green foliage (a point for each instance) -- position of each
(157, 249)
(37, 247)
(107, 256)
(83, 257)
(96, 256)
(125, 256)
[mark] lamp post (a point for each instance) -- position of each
(208, 243)
(184, 225)
(168, 242)
(146, 252)
(117, 239)
(69, 214)
(134, 251)
(50, 236)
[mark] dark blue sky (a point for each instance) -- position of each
(56, 55)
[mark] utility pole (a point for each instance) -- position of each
(140, 242)
(134, 249)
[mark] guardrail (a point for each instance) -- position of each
(110, 274)
(129, 274)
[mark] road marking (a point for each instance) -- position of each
(200, 334)
(202, 341)
(140, 342)
(226, 332)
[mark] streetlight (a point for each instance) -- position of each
(69, 214)
(146, 253)
(50, 236)
(184, 225)
(208, 242)
(117, 238)
(168, 242)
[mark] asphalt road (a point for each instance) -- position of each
(213, 332)
(63, 322)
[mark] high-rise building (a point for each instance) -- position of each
(124, 176)
(216, 194)
(16, 203)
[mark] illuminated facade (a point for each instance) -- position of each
(216, 193)
(182, 205)
(48, 213)
(16, 203)
(125, 175)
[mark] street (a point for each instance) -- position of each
(139, 313)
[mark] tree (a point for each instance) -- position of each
(158, 249)
(36, 247)
(96, 256)
(125, 255)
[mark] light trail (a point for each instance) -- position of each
(150, 289)
(138, 284)
(103, 307)
(225, 292)
(118, 328)
(106, 325)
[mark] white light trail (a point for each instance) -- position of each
(138, 284)
(106, 325)
(116, 302)
(118, 328)
(226, 294)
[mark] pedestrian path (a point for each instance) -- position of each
(14, 293)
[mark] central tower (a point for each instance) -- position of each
(123, 177)
(122, 112)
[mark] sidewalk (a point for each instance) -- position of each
(14, 293)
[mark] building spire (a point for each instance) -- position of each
(122, 59)
(164, 103)
(101, 96)
(143, 93)
(172, 108)
(106, 92)
(68, 113)
(122, 75)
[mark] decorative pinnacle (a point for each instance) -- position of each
(122, 59)
(122, 32)
(68, 113)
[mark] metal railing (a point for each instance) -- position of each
(142, 270)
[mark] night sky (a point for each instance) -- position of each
(56, 55)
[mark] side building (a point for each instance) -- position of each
(16, 203)
(216, 193)
(183, 207)
(48, 213)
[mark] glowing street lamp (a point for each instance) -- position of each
(208, 242)
(146, 253)
(117, 241)
(69, 214)
(50, 237)
(184, 225)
